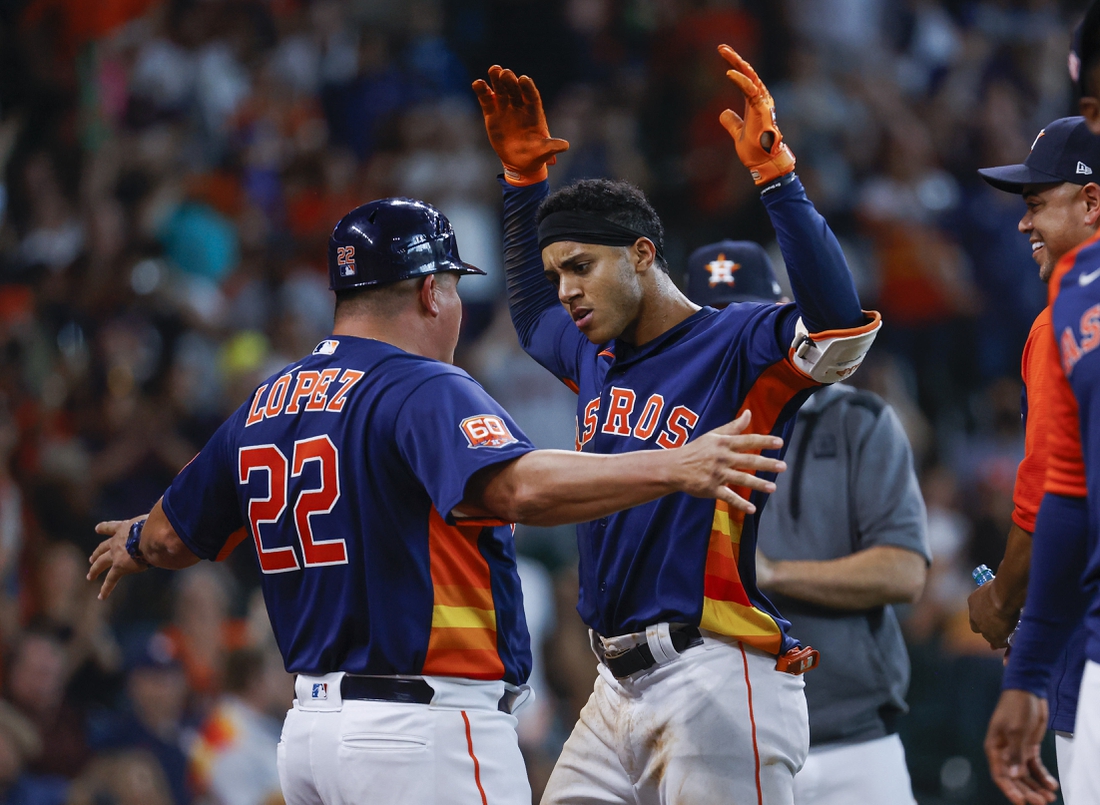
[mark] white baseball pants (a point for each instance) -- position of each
(458, 750)
(717, 725)
(868, 772)
(1082, 783)
(1063, 749)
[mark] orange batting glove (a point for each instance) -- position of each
(517, 126)
(759, 143)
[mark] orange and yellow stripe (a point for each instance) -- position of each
(726, 606)
(463, 639)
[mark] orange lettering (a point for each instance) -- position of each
(318, 399)
(255, 413)
(618, 410)
(303, 388)
(678, 428)
(591, 419)
(1090, 329)
(1070, 353)
(349, 379)
(651, 415)
(277, 396)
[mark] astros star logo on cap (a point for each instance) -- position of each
(721, 270)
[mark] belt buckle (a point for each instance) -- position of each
(619, 645)
(798, 661)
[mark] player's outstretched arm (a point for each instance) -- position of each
(516, 125)
(517, 129)
(1012, 747)
(159, 545)
(554, 487)
(821, 283)
(759, 142)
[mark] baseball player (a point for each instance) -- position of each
(377, 483)
(698, 697)
(995, 606)
(842, 538)
(1061, 221)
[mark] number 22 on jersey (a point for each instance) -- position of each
(268, 458)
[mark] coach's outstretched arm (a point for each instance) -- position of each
(820, 280)
(555, 487)
(542, 487)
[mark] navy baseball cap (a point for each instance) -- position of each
(155, 651)
(1065, 151)
(731, 271)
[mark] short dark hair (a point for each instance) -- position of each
(619, 202)
(379, 299)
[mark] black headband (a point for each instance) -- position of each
(587, 227)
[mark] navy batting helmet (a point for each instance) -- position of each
(389, 240)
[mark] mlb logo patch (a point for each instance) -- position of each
(320, 691)
(486, 430)
(326, 347)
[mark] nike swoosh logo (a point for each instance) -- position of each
(1086, 279)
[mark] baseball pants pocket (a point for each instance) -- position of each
(386, 754)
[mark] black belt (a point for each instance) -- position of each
(640, 657)
(408, 691)
(386, 689)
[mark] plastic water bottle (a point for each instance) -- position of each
(983, 575)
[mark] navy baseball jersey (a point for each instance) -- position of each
(345, 469)
(693, 560)
(1076, 315)
(678, 559)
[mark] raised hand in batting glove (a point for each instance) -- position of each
(517, 126)
(759, 143)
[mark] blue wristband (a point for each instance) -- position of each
(133, 543)
(775, 184)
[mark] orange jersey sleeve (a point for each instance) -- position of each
(1066, 464)
(1040, 352)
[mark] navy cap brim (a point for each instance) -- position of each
(1013, 178)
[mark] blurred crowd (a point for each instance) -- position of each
(171, 170)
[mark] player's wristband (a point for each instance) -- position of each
(782, 181)
(133, 543)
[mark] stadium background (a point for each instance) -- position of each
(170, 173)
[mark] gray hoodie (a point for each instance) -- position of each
(850, 485)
